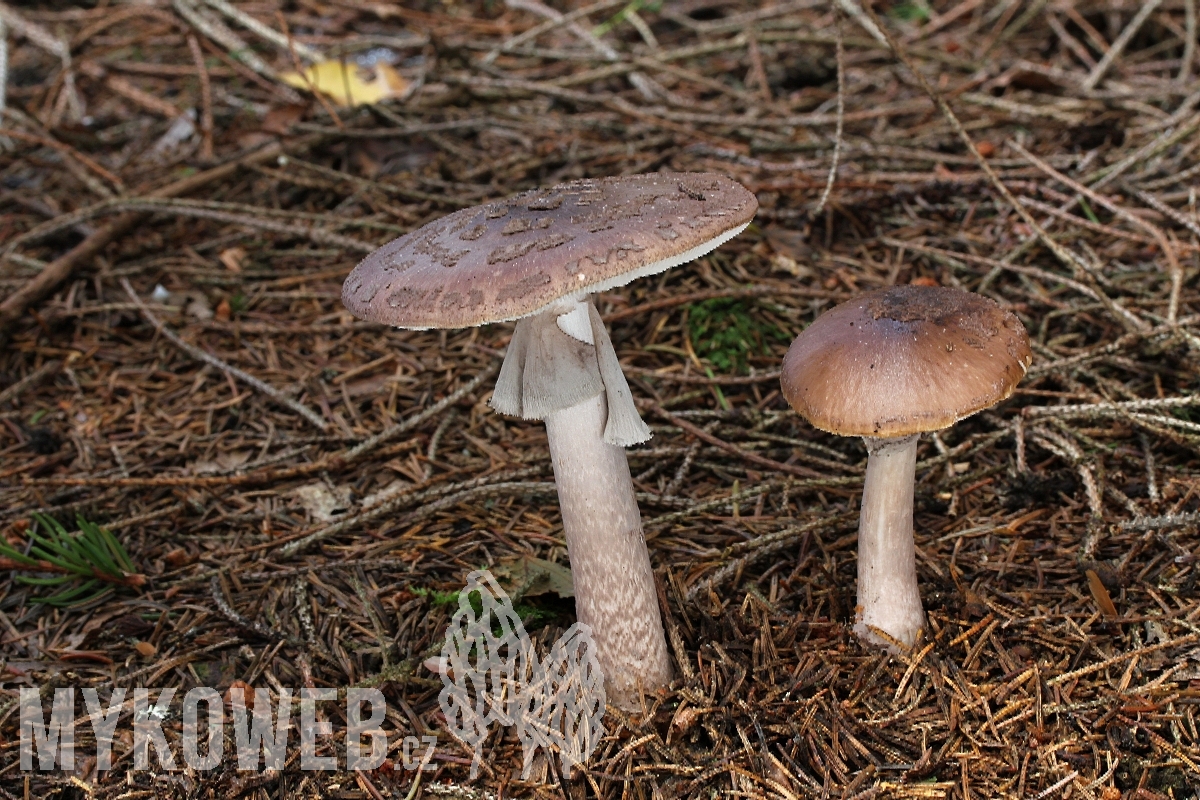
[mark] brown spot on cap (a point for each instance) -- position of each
(553, 240)
(516, 225)
(904, 360)
(510, 252)
(408, 298)
(472, 299)
(510, 258)
(523, 287)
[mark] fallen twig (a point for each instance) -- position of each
(66, 150)
(498, 482)
(764, 546)
(841, 113)
(1061, 253)
(265, 32)
(57, 271)
(221, 212)
(32, 379)
(244, 377)
(386, 435)
(711, 294)
(719, 380)
(1148, 7)
(1175, 271)
(745, 455)
(250, 626)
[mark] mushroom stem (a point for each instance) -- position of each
(887, 565)
(610, 566)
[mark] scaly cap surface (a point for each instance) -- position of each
(515, 257)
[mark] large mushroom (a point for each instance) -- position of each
(537, 258)
(888, 366)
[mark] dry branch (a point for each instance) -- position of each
(228, 369)
(57, 271)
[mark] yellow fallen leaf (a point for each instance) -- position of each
(349, 84)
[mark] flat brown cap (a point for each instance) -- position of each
(512, 258)
(904, 360)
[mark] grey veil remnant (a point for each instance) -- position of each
(537, 258)
(887, 366)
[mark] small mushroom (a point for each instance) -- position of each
(887, 366)
(537, 258)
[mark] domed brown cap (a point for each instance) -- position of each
(512, 258)
(904, 360)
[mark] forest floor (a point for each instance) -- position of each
(300, 495)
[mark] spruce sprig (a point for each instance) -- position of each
(89, 563)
